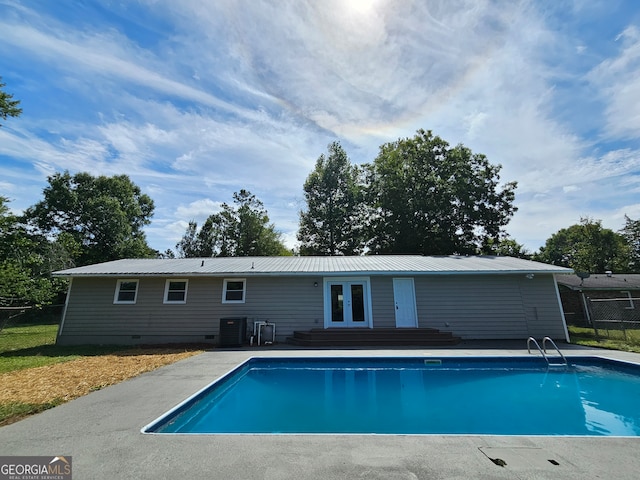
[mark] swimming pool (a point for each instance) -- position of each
(450, 395)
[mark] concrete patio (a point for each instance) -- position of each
(101, 432)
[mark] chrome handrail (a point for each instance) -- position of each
(544, 347)
(535, 342)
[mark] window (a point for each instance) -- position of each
(175, 291)
(233, 290)
(126, 291)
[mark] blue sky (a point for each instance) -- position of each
(195, 100)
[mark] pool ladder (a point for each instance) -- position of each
(563, 361)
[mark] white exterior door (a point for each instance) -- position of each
(347, 303)
(404, 295)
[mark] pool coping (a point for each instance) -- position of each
(101, 431)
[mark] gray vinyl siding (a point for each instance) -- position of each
(470, 306)
(92, 317)
(490, 307)
(543, 308)
(382, 302)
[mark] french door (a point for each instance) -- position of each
(347, 303)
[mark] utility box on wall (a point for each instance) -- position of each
(233, 331)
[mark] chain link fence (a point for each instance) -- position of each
(615, 317)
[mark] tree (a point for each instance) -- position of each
(190, 245)
(240, 231)
(586, 247)
(8, 107)
(631, 233)
(97, 218)
(505, 246)
(428, 198)
(332, 223)
(26, 263)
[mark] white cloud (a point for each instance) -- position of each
(352, 71)
(244, 94)
(198, 210)
(632, 211)
(618, 79)
(7, 187)
(108, 55)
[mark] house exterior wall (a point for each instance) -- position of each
(92, 317)
(382, 302)
(478, 306)
(490, 307)
(470, 306)
(543, 308)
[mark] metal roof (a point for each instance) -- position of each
(601, 281)
(262, 266)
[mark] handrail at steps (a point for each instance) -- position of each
(544, 347)
(535, 342)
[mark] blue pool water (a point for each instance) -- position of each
(451, 395)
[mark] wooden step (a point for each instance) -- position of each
(370, 333)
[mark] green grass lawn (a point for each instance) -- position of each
(613, 339)
(27, 346)
(10, 412)
(33, 345)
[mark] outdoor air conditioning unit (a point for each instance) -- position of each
(233, 331)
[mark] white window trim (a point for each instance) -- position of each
(224, 290)
(117, 292)
(166, 291)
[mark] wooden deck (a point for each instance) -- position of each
(338, 337)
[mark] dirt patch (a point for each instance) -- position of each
(69, 380)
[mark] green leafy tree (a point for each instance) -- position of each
(505, 247)
(8, 106)
(333, 222)
(26, 263)
(236, 231)
(8, 227)
(190, 245)
(631, 233)
(586, 247)
(97, 218)
(428, 198)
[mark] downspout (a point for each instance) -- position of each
(564, 320)
(64, 312)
